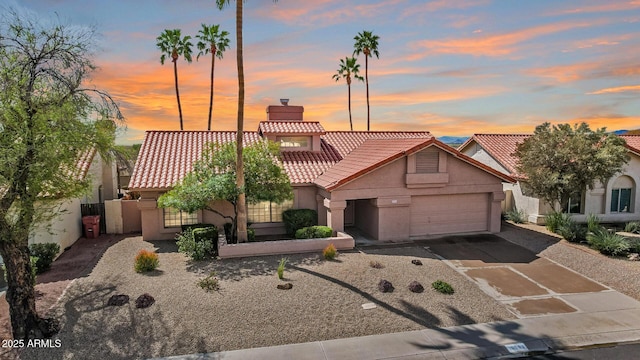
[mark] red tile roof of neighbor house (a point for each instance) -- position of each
(503, 146)
(290, 127)
(374, 153)
(167, 156)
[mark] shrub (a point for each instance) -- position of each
(146, 261)
(593, 222)
(313, 232)
(608, 243)
(376, 264)
(634, 245)
(45, 253)
(572, 231)
(195, 250)
(517, 216)
(442, 287)
(207, 234)
(554, 220)
(295, 219)
(283, 262)
(330, 252)
(251, 235)
(209, 283)
(632, 227)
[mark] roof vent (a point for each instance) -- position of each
(284, 102)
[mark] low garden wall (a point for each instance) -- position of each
(342, 242)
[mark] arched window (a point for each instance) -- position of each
(622, 194)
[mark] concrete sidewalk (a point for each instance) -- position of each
(545, 334)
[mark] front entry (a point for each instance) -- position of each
(349, 213)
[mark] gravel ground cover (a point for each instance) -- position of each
(248, 310)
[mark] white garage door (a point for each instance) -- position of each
(446, 214)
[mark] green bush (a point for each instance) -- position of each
(45, 253)
(593, 222)
(608, 243)
(572, 231)
(209, 283)
(442, 287)
(295, 219)
(198, 250)
(281, 265)
(251, 234)
(554, 220)
(313, 232)
(146, 261)
(634, 245)
(632, 227)
(517, 216)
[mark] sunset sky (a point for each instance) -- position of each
(446, 66)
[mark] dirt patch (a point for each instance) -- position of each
(506, 282)
(558, 278)
(545, 306)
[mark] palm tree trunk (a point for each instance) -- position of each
(242, 206)
(175, 74)
(349, 92)
(366, 76)
(213, 64)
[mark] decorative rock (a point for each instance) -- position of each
(634, 257)
(385, 286)
(416, 287)
(416, 262)
(368, 306)
(118, 300)
(144, 301)
(286, 286)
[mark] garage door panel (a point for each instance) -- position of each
(442, 214)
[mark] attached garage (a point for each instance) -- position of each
(446, 214)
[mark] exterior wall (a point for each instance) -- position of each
(341, 241)
(392, 192)
(64, 230)
(123, 216)
(103, 176)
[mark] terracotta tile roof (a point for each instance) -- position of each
(501, 147)
(633, 142)
(371, 154)
(374, 153)
(167, 156)
(290, 127)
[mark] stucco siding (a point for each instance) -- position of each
(64, 229)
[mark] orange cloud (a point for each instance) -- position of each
(619, 89)
(585, 70)
(492, 45)
(610, 6)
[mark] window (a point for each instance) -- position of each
(294, 141)
(266, 211)
(427, 161)
(620, 200)
(176, 218)
(574, 205)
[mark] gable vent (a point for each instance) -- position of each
(427, 161)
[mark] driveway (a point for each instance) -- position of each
(527, 284)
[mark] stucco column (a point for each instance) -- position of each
(322, 211)
(149, 215)
(495, 209)
(335, 214)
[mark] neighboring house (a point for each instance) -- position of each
(391, 185)
(614, 201)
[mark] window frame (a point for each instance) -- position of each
(616, 200)
(180, 216)
(272, 212)
(295, 142)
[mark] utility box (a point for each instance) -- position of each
(91, 225)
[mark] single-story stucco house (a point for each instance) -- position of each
(391, 185)
(614, 201)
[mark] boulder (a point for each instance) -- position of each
(118, 300)
(416, 287)
(385, 286)
(416, 262)
(286, 286)
(144, 301)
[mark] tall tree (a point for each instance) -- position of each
(173, 45)
(213, 178)
(48, 120)
(242, 208)
(216, 42)
(560, 160)
(367, 44)
(348, 67)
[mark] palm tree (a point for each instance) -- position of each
(173, 45)
(348, 66)
(213, 41)
(366, 43)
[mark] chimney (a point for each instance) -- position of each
(284, 112)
